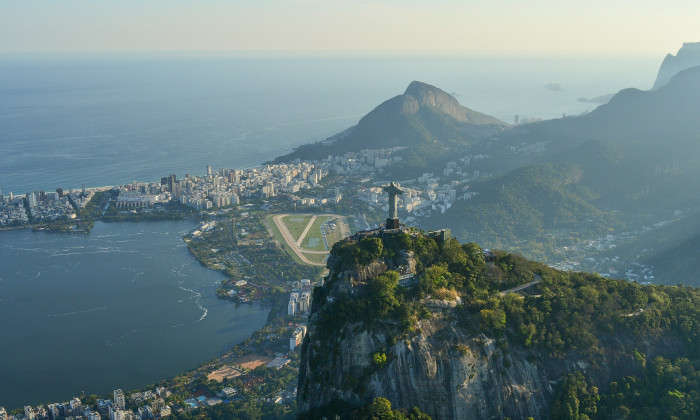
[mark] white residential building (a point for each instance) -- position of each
(119, 399)
(297, 337)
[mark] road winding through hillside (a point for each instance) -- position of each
(522, 286)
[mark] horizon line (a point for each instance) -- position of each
(319, 53)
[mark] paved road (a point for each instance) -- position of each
(522, 286)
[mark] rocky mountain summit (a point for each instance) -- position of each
(428, 124)
(688, 56)
(457, 332)
(419, 94)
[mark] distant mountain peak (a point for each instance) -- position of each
(428, 95)
(418, 89)
(427, 123)
(688, 56)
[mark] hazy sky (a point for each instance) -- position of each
(494, 26)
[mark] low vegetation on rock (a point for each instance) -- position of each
(613, 347)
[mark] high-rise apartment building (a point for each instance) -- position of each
(119, 399)
(31, 199)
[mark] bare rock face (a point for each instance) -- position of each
(358, 277)
(419, 344)
(419, 94)
(447, 371)
(438, 358)
(409, 105)
(442, 368)
(462, 377)
(688, 56)
(443, 371)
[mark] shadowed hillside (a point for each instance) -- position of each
(425, 120)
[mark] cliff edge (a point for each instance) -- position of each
(457, 332)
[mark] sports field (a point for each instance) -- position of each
(314, 238)
(308, 238)
(296, 224)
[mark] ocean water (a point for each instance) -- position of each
(106, 119)
(122, 307)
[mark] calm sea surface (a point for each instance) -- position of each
(115, 118)
(122, 307)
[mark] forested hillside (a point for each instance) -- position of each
(607, 344)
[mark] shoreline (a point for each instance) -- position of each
(255, 268)
(272, 300)
(265, 308)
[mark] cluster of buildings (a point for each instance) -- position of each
(204, 227)
(139, 195)
(300, 298)
(130, 199)
(427, 193)
(50, 206)
(74, 409)
(297, 181)
(299, 304)
(411, 200)
(12, 212)
(226, 187)
(363, 163)
(150, 404)
(419, 200)
(42, 206)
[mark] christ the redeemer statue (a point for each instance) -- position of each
(393, 221)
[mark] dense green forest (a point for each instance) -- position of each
(652, 332)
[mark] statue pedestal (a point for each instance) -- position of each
(392, 223)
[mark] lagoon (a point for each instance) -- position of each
(122, 307)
